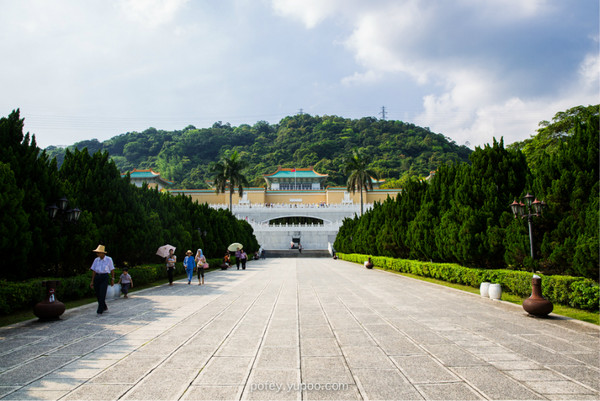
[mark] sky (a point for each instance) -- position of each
(471, 70)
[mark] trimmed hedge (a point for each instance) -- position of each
(22, 295)
(577, 292)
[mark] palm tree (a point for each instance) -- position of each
(228, 174)
(359, 174)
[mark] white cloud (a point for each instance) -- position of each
(590, 70)
(308, 12)
(467, 69)
(151, 13)
(468, 115)
(464, 52)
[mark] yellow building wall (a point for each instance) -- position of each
(260, 196)
(291, 197)
(380, 195)
(335, 197)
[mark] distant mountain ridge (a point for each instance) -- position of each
(397, 149)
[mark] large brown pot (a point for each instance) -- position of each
(50, 308)
(536, 304)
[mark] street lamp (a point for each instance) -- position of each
(535, 206)
(51, 308)
(61, 212)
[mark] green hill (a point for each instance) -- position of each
(398, 149)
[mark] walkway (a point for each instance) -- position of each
(301, 329)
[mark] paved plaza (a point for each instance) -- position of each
(301, 329)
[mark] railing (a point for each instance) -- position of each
(268, 206)
(299, 227)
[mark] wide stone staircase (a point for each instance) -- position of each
(294, 253)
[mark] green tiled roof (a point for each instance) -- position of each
(142, 174)
(146, 174)
(299, 173)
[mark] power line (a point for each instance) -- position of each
(382, 112)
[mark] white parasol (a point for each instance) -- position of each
(234, 247)
(163, 251)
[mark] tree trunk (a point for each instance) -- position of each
(361, 202)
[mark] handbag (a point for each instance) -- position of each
(205, 265)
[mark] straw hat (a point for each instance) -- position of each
(100, 249)
(188, 252)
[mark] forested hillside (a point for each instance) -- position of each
(397, 149)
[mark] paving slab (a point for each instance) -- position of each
(301, 329)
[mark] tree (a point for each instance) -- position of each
(551, 135)
(359, 174)
(228, 173)
(15, 241)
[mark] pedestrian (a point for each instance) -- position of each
(101, 268)
(200, 265)
(171, 260)
(244, 258)
(238, 255)
(126, 282)
(226, 263)
(189, 263)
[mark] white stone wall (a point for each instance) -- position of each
(279, 238)
(313, 237)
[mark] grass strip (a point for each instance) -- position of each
(573, 313)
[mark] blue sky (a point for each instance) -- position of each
(468, 69)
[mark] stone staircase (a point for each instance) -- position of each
(294, 253)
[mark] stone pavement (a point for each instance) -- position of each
(301, 329)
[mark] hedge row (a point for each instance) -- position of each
(16, 296)
(577, 292)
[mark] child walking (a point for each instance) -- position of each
(126, 282)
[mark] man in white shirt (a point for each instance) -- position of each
(101, 268)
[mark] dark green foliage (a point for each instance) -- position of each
(568, 179)
(460, 216)
(131, 222)
(397, 149)
(37, 242)
(16, 236)
(463, 214)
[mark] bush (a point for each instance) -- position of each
(21, 295)
(578, 292)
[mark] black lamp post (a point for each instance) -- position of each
(61, 212)
(525, 210)
(51, 308)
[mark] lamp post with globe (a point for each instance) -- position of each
(51, 308)
(530, 209)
